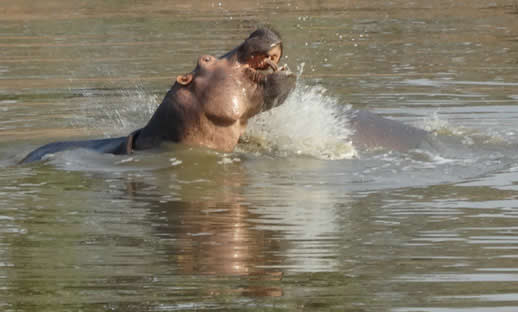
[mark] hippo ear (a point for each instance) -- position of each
(184, 79)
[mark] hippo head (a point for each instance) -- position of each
(211, 105)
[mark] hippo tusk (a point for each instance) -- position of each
(271, 64)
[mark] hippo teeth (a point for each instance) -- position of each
(259, 74)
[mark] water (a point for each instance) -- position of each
(297, 218)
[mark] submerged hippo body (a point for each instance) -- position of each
(117, 146)
(373, 131)
(209, 106)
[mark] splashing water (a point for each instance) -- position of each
(135, 111)
(308, 123)
(129, 111)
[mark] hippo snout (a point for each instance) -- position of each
(278, 87)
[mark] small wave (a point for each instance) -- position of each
(468, 136)
(439, 83)
(92, 161)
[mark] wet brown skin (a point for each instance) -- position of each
(209, 106)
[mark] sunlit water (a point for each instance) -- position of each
(297, 218)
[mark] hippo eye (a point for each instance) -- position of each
(207, 59)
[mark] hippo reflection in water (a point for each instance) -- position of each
(208, 107)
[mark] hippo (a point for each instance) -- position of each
(370, 130)
(208, 107)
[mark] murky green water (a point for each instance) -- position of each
(279, 227)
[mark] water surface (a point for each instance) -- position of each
(296, 219)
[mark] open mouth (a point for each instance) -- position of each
(259, 66)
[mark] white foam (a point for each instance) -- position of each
(308, 123)
(434, 123)
(175, 162)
